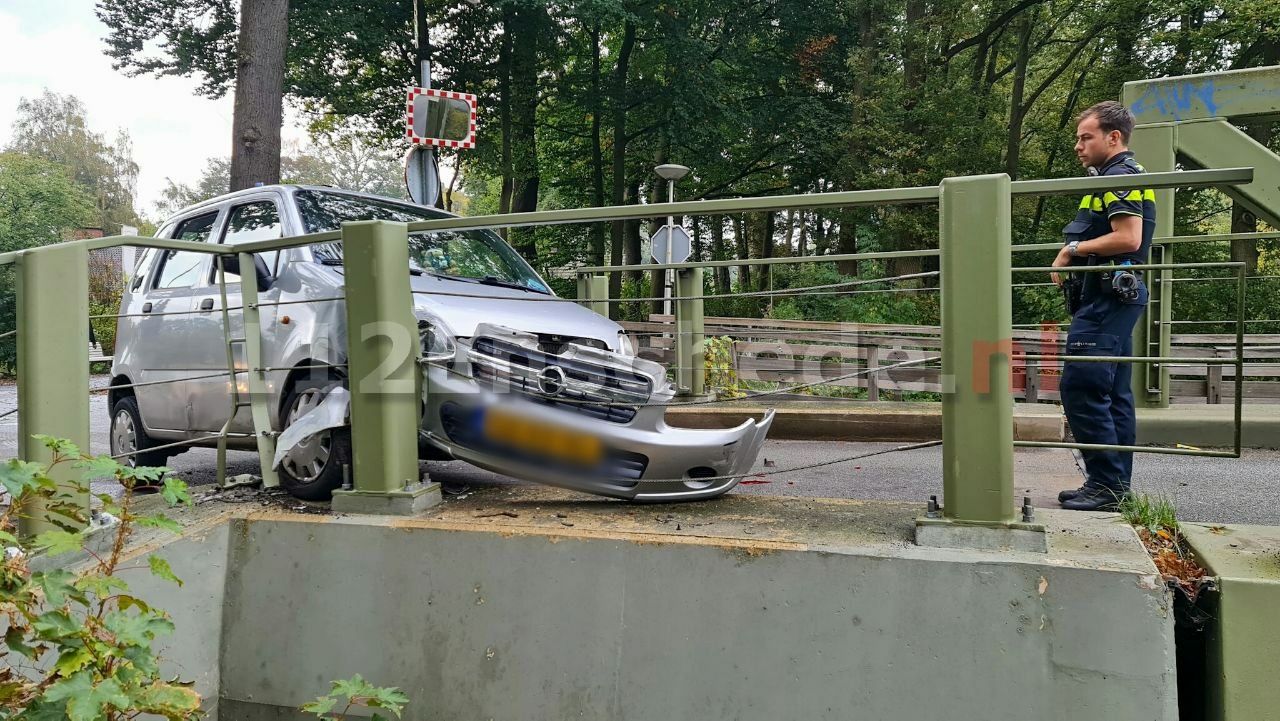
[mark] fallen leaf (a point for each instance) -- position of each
(1044, 585)
(754, 483)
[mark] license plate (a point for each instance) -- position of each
(541, 440)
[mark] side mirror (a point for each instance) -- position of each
(231, 264)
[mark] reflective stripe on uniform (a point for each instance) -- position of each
(1089, 202)
(1132, 196)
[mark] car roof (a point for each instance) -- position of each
(291, 188)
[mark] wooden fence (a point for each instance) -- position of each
(796, 352)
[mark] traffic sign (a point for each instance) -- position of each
(681, 244)
(441, 117)
(421, 175)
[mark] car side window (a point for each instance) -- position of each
(180, 269)
(251, 222)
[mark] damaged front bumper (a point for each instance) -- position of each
(577, 417)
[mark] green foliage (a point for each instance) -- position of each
(78, 646)
(721, 374)
(1153, 513)
(356, 692)
(55, 128)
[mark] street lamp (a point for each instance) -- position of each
(670, 173)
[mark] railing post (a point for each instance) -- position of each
(382, 352)
(53, 366)
(594, 290)
(977, 347)
(691, 371)
(1153, 146)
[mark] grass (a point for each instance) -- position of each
(1150, 512)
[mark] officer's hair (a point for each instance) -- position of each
(1111, 116)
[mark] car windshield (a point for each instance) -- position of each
(471, 255)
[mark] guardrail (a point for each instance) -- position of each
(975, 259)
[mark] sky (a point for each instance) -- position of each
(57, 44)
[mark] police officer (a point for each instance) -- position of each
(1115, 229)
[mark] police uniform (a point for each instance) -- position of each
(1097, 397)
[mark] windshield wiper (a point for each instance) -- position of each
(337, 263)
(495, 280)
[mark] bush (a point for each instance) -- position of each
(78, 646)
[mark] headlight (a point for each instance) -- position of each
(437, 340)
(626, 346)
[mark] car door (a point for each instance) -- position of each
(251, 220)
(163, 352)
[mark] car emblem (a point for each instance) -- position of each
(551, 380)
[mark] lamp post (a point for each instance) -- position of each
(670, 173)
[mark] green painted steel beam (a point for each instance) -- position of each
(1220, 176)
(977, 412)
(762, 261)
(690, 368)
(382, 353)
(1154, 147)
(53, 366)
(257, 380)
(594, 291)
(1229, 94)
(1217, 144)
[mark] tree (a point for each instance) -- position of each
(39, 202)
(54, 127)
(259, 101)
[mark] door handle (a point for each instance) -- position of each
(146, 307)
(206, 304)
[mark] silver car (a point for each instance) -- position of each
(513, 381)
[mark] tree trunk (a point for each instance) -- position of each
(631, 236)
(718, 253)
(618, 230)
(743, 252)
(524, 108)
(504, 109)
(597, 149)
(259, 102)
(1013, 145)
(846, 242)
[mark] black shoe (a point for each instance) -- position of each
(1064, 496)
(1095, 498)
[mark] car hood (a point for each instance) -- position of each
(464, 305)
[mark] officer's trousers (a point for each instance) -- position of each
(1097, 397)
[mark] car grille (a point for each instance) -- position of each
(463, 427)
(505, 366)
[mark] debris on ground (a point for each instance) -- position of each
(508, 514)
(1173, 559)
(276, 498)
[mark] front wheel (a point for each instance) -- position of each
(311, 470)
(129, 437)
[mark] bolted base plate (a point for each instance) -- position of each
(946, 533)
(414, 500)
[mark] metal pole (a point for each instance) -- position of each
(256, 377)
(666, 274)
(690, 368)
(426, 159)
(977, 332)
(1153, 146)
(53, 368)
(382, 354)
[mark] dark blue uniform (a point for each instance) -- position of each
(1097, 397)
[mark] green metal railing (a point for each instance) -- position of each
(975, 254)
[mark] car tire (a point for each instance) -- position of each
(129, 436)
(312, 470)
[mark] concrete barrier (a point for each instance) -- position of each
(741, 608)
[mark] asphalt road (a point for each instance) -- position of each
(1209, 490)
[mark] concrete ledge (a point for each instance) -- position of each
(1210, 425)
(862, 420)
(394, 503)
(942, 533)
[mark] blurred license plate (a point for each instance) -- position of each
(538, 439)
